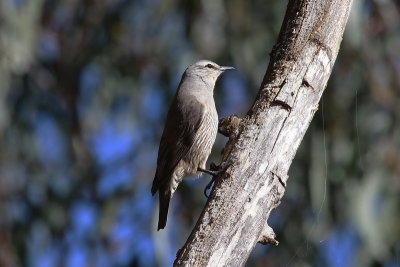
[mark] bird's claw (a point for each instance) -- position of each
(209, 186)
(214, 171)
(214, 167)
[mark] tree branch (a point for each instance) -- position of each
(263, 144)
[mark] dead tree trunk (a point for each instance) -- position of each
(263, 144)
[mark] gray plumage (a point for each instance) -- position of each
(189, 133)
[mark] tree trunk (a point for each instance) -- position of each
(263, 144)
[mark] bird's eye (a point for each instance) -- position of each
(209, 66)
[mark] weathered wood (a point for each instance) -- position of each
(263, 144)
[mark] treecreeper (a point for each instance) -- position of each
(190, 130)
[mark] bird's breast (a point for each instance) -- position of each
(205, 138)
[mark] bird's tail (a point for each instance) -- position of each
(154, 187)
(164, 205)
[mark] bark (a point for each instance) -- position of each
(263, 144)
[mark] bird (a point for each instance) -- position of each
(189, 133)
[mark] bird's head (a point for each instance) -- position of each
(206, 70)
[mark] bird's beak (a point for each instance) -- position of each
(224, 68)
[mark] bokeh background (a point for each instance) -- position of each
(84, 90)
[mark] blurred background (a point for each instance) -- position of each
(84, 90)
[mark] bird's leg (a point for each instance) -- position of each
(214, 172)
(210, 172)
(209, 185)
(213, 175)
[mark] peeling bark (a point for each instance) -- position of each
(263, 144)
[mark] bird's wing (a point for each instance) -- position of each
(182, 124)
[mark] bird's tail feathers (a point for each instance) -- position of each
(164, 205)
(154, 187)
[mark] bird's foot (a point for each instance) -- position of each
(214, 171)
(213, 174)
(209, 186)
